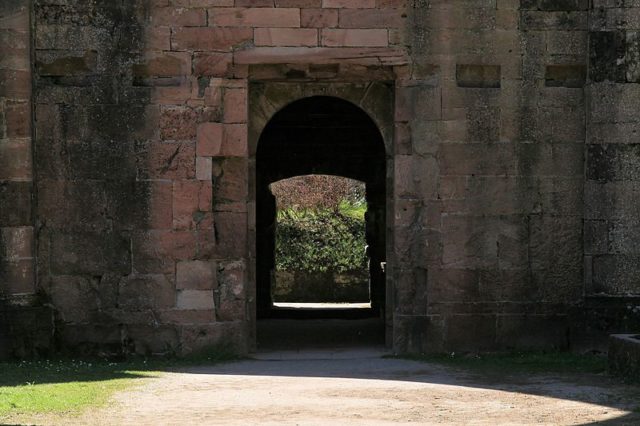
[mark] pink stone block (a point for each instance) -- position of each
(235, 105)
(190, 197)
(349, 4)
(302, 4)
(220, 39)
(210, 136)
(319, 18)
(355, 37)
(178, 17)
(195, 300)
(203, 168)
(286, 37)
(212, 64)
(255, 17)
(235, 140)
(371, 18)
(196, 275)
(158, 38)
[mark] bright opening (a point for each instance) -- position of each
(321, 255)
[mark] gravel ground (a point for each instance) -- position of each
(360, 387)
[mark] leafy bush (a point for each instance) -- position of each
(317, 192)
(320, 241)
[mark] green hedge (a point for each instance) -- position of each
(320, 241)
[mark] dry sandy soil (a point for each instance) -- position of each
(359, 387)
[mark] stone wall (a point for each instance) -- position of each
(128, 252)
(144, 161)
(490, 175)
(612, 155)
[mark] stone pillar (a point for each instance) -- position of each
(16, 176)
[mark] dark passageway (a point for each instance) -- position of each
(329, 136)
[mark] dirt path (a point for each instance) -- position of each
(359, 387)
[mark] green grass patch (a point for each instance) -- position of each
(71, 386)
(519, 362)
(64, 386)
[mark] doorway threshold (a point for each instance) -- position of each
(321, 305)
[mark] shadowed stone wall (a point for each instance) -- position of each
(612, 186)
(512, 172)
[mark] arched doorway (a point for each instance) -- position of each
(321, 135)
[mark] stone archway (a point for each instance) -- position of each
(320, 134)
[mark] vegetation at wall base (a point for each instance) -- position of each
(519, 362)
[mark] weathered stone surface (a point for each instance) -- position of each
(196, 275)
(469, 333)
(195, 300)
(146, 292)
(468, 75)
(90, 253)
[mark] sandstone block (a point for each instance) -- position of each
(16, 243)
(191, 198)
(140, 292)
(17, 277)
(178, 17)
(212, 64)
(178, 123)
(235, 105)
(355, 37)
(235, 140)
(216, 338)
(565, 75)
(15, 158)
(302, 4)
(195, 300)
(480, 76)
(156, 252)
(371, 18)
(203, 168)
(210, 138)
(348, 4)
(15, 203)
(230, 182)
(152, 339)
(90, 253)
(17, 119)
(196, 275)
(286, 37)
(75, 298)
(319, 18)
(209, 39)
(255, 17)
(231, 233)
(163, 64)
